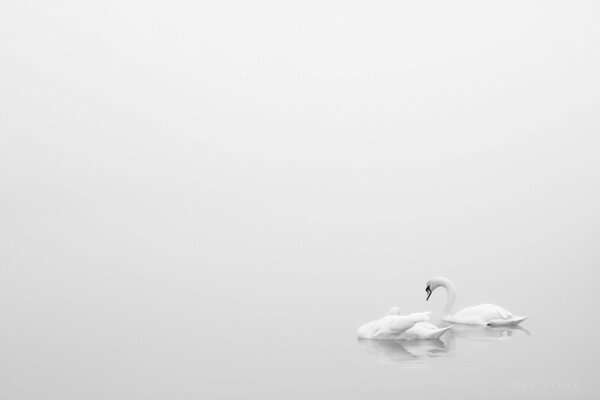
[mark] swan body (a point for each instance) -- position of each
(390, 327)
(483, 314)
(401, 327)
(422, 330)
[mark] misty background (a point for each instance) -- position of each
(207, 199)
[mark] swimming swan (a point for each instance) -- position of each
(400, 327)
(483, 314)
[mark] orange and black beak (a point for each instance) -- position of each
(428, 291)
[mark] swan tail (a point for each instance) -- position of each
(438, 333)
(507, 322)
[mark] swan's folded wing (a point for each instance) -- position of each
(504, 313)
(426, 325)
(401, 323)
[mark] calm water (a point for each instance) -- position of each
(72, 332)
(133, 292)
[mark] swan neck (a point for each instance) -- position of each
(451, 297)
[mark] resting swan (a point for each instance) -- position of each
(401, 327)
(483, 314)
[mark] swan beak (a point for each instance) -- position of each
(428, 291)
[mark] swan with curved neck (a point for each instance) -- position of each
(483, 314)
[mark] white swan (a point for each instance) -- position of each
(483, 314)
(400, 327)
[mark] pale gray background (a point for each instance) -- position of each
(205, 200)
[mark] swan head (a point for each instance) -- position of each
(435, 283)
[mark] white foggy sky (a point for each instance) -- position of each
(444, 119)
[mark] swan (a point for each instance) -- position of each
(400, 327)
(483, 314)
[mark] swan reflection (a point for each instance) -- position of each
(413, 354)
(419, 353)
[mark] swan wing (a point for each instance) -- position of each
(391, 326)
(504, 313)
(400, 323)
(426, 325)
(424, 331)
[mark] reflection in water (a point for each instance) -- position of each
(413, 354)
(418, 353)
